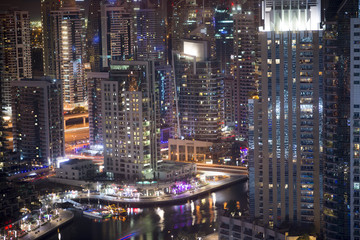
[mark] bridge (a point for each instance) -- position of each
(236, 170)
(84, 116)
(233, 170)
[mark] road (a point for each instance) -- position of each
(77, 132)
(75, 137)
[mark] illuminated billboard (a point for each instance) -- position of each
(197, 49)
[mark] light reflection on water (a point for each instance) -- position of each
(192, 219)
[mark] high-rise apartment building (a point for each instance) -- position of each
(93, 36)
(285, 136)
(130, 119)
(150, 33)
(224, 39)
(117, 33)
(354, 177)
(224, 28)
(338, 81)
(37, 114)
(192, 20)
(37, 49)
(68, 29)
(49, 52)
(94, 80)
(244, 58)
(15, 51)
(199, 93)
(229, 103)
(164, 76)
(3, 144)
(183, 21)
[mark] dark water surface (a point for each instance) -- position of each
(187, 221)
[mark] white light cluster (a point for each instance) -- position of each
(306, 18)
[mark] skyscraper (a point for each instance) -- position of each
(199, 92)
(49, 53)
(37, 113)
(68, 30)
(117, 34)
(285, 141)
(244, 58)
(339, 80)
(37, 49)
(94, 80)
(224, 28)
(130, 118)
(150, 33)
(187, 16)
(229, 102)
(354, 178)
(93, 35)
(165, 78)
(15, 51)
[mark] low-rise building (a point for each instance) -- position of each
(168, 170)
(245, 228)
(188, 150)
(76, 169)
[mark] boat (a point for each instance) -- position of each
(117, 211)
(100, 213)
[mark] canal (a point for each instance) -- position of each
(186, 221)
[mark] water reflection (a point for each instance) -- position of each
(193, 219)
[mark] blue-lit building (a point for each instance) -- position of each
(341, 160)
(224, 26)
(165, 78)
(285, 140)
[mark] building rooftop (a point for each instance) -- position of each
(75, 161)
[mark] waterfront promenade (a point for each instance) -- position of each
(168, 198)
(50, 227)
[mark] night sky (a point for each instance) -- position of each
(33, 6)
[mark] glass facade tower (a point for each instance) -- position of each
(285, 141)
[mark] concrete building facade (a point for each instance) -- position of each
(69, 36)
(117, 34)
(76, 169)
(188, 151)
(130, 120)
(15, 52)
